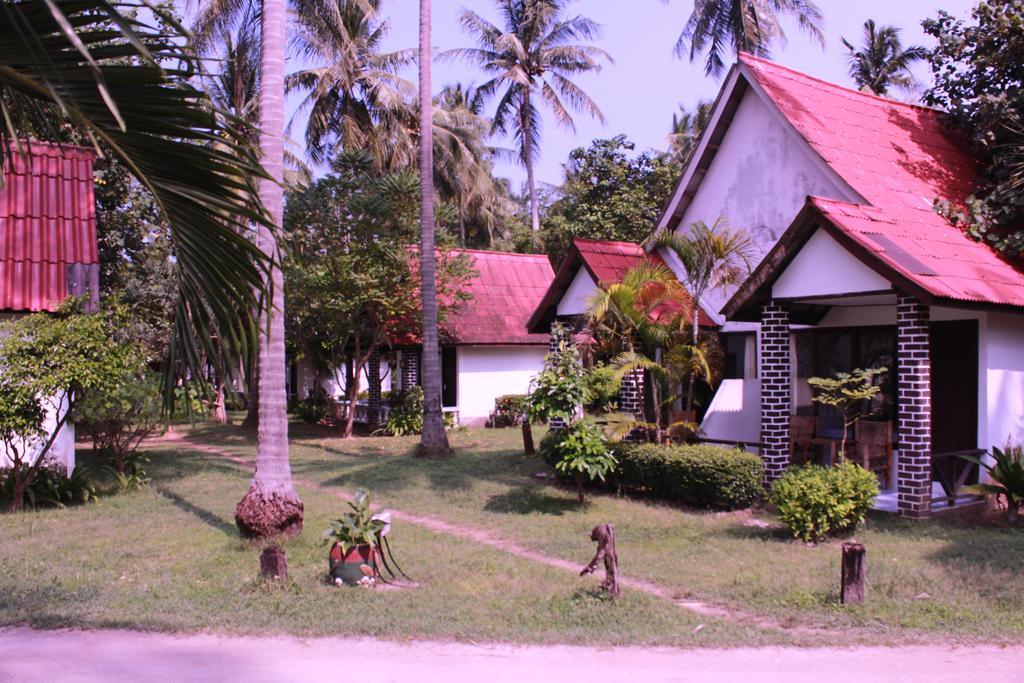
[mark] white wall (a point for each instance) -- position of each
(735, 411)
(1003, 380)
(823, 267)
(486, 372)
(759, 180)
(580, 289)
(63, 450)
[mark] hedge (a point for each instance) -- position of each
(698, 475)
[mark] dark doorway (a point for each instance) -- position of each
(954, 359)
(449, 377)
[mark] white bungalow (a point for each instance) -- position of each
(48, 247)
(837, 188)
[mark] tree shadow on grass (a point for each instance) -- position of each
(526, 500)
(207, 517)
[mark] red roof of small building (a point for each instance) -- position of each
(606, 262)
(47, 227)
(899, 158)
(506, 290)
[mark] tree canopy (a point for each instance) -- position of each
(609, 193)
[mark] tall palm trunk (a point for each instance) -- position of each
(434, 440)
(531, 184)
(271, 506)
(693, 373)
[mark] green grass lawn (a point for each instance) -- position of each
(170, 559)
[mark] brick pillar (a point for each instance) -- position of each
(775, 390)
(631, 401)
(410, 369)
(373, 390)
(560, 335)
(914, 421)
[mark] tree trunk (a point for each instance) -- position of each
(252, 385)
(531, 183)
(462, 229)
(528, 447)
(271, 505)
(434, 440)
(696, 343)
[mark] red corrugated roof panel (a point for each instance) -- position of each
(506, 290)
(47, 223)
(900, 158)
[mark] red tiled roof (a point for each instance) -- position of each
(506, 290)
(47, 227)
(899, 158)
(606, 262)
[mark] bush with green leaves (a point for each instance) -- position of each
(815, 501)
(560, 388)
(602, 389)
(132, 476)
(701, 475)
(120, 419)
(579, 452)
(406, 416)
(313, 409)
(510, 409)
(357, 526)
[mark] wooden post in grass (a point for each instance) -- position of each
(273, 564)
(854, 573)
(528, 436)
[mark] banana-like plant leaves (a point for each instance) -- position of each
(125, 85)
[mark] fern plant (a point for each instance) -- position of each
(1007, 475)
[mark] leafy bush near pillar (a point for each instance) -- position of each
(313, 409)
(560, 389)
(406, 416)
(699, 475)
(602, 389)
(814, 501)
(509, 409)
(579, 452)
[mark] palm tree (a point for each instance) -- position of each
(882, 62)
(434, 439)
(532, 58)
(687, 127)
(354, 97)
(646, 314)
(100, 74)
(746, 25)
(714, 257)
(271, 506)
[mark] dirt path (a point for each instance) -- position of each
(85, 656)
(484, 537)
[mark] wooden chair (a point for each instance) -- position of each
(802, 431)
(873, 447)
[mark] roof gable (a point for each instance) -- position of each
(48, 244)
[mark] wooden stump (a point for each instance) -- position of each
(854, 573)
(528, 436)
(604, 534)
(273, 563)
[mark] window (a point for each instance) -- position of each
(740, 356)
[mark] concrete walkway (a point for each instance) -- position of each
(123, 656)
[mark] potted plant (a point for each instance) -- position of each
(354, 558)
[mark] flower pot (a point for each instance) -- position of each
(348, 566)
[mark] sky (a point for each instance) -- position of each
(645, 85)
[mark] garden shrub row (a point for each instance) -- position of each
(699, 475)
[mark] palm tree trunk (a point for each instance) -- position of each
(531, 184)
(434, 440)
(271, 505)
(693, 373)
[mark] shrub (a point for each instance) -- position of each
(579, 452)
(815, 501)
(1006, 475)
(119, 420)
(698, 475)
(560, 388)
(602, 389)
(50, 487)
(510, 409)
(406, 416)
(313, 409)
